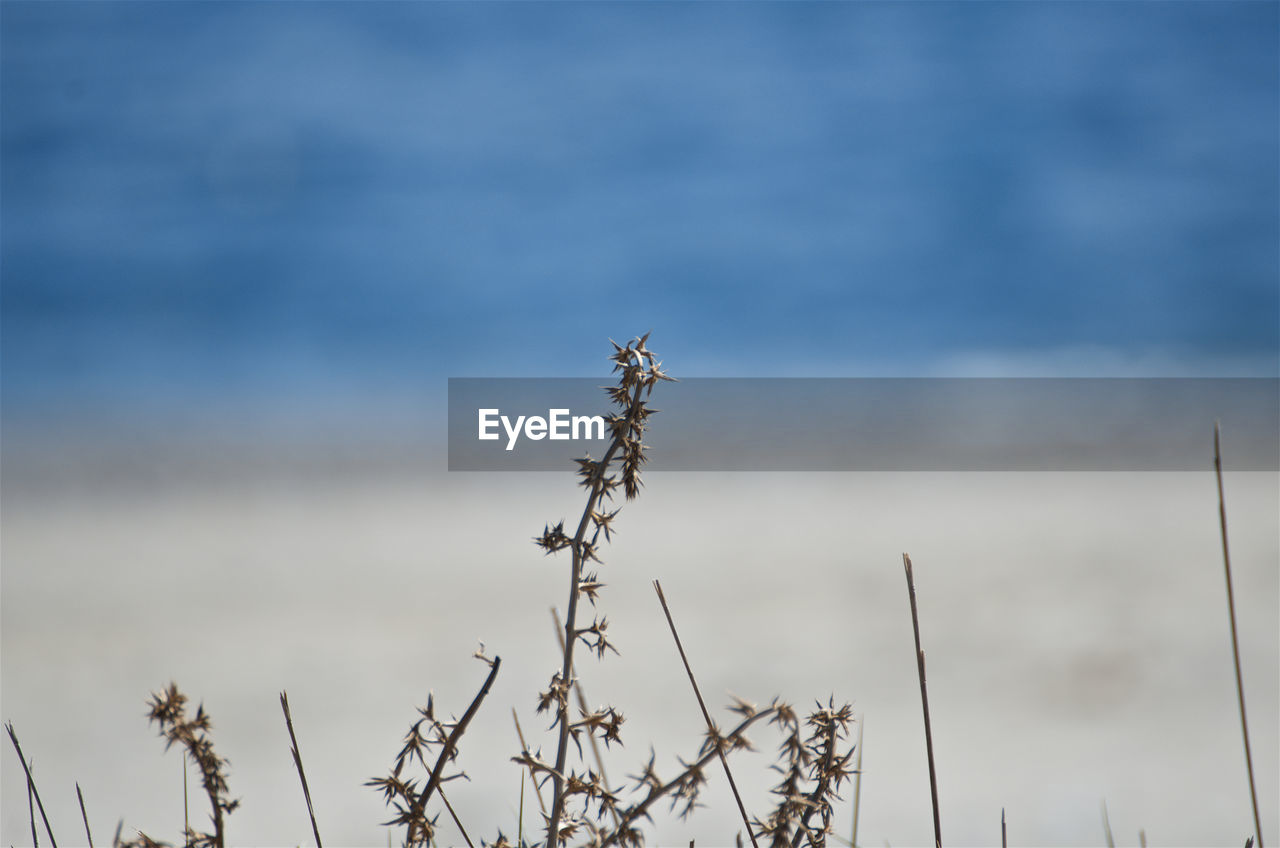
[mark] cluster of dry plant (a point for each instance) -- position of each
(814, 757)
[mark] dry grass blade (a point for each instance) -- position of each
(1235, 641)
(31, 784)
(84, 817)
(297, 761)
(924, 700)
(711, 726)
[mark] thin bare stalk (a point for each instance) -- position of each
(1106, 825)
(450, 745)
(186, 808)
(297, 761)
(524, 747)
(31, 814)
(1004, 834)
(84, 817)
(1235, 641)
(31, 783)
(454, 816)
(924, 701)
(857, 784)
(711, 725)
(582, 705)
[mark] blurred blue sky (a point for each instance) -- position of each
(204, 201)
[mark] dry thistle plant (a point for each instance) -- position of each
(169, 710)
(582, 804)
(812, 769)
(639, 371)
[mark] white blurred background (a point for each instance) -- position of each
(1075, 628)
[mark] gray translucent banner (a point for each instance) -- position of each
(878, 424)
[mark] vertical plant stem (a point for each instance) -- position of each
(1106, 825)
(31, 784)
(524, 747)
(711, 726)
(297, 761)
(1004, 834)
(857, 783)
(1235, 641)
(84, 817)
(571, 634)
(582, 705)
(186, 816)
(924, 701)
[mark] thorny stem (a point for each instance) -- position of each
(449, 746)
(819, 791)
(582, 705)
(641, 810)
(570, 628)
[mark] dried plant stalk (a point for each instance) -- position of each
(924, 701)
(31, 786)
(711, 725)
(640, 371)
(297, 761)
(1235, 640)
(84, 816)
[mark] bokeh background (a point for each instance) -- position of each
(244, 245)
